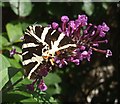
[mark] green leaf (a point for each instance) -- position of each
(24, 82)
(88, 7)
(4, 42)
(52, 78)
(31, 100)
(11, 98)
(16, 56)
(21, 8)
(14, 32)
(5, 77)
(14, 63)
(13, 71)
(4, 70)
(4, 62)
(20, 93)
(24, 25)
(53, 89)
(53, 100)
(16, 77)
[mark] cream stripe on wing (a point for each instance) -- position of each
(26, 45)
(33, 69)
(39, 60)
(53, 32)
(67, 46)
(25, 53)
(56, 43)
(31, 32)
(27, 33)
(44, 33)
(26, 62)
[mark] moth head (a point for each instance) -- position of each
(47, 54)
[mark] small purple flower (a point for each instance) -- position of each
(86, 55)
(67, 32)
(59, 29)
(102, 29)
(61, 62)
(77, 22)
(88, 27)
(12, 52)
(105, 27)
(105, 41)
(72, 24)
(76, 61)
(81, 47)
(42, 86)
(108, 53)
(64, 19)
(55, 25)
(83, 19)
(102, 34)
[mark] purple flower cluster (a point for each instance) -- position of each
(87, 38)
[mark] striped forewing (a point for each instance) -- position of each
(38, 39)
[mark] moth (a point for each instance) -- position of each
(40, 46)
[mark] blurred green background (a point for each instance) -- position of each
(96, 81)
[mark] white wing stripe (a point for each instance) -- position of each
(26, 62)
(66, 46)
(27, 33)
(25, 53)
(53, 32)
(56, 43)
(35, 67)
(36, 37)
(44, 33)
(26, 45)
(39, 60)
